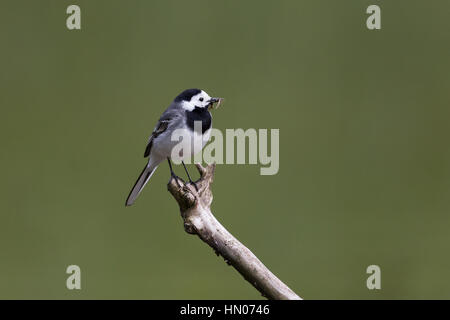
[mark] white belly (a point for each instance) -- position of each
(183, 144)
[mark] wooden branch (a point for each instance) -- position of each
(198, 219)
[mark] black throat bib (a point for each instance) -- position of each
(199, 114)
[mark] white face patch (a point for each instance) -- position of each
(200, 100)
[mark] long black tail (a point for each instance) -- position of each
(140, 184)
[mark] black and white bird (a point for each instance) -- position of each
(187, 111)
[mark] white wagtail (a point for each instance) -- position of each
(189, 108)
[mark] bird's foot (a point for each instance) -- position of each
(195, 185)
(175, 177)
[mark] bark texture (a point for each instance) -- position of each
(198, 219)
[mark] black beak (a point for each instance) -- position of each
(213, 100)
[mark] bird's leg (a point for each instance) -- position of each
(172, 174)
(190, 180)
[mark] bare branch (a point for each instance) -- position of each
(198, 219)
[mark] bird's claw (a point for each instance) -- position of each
(174, 176)
(195, 185)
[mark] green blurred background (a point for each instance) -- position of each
(364, 157)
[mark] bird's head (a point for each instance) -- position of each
(191, 98)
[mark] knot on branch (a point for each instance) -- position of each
(189, 197)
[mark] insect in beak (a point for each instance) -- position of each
(214, 103)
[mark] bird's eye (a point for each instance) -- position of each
(201, 99)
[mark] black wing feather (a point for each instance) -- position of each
(161, 127)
